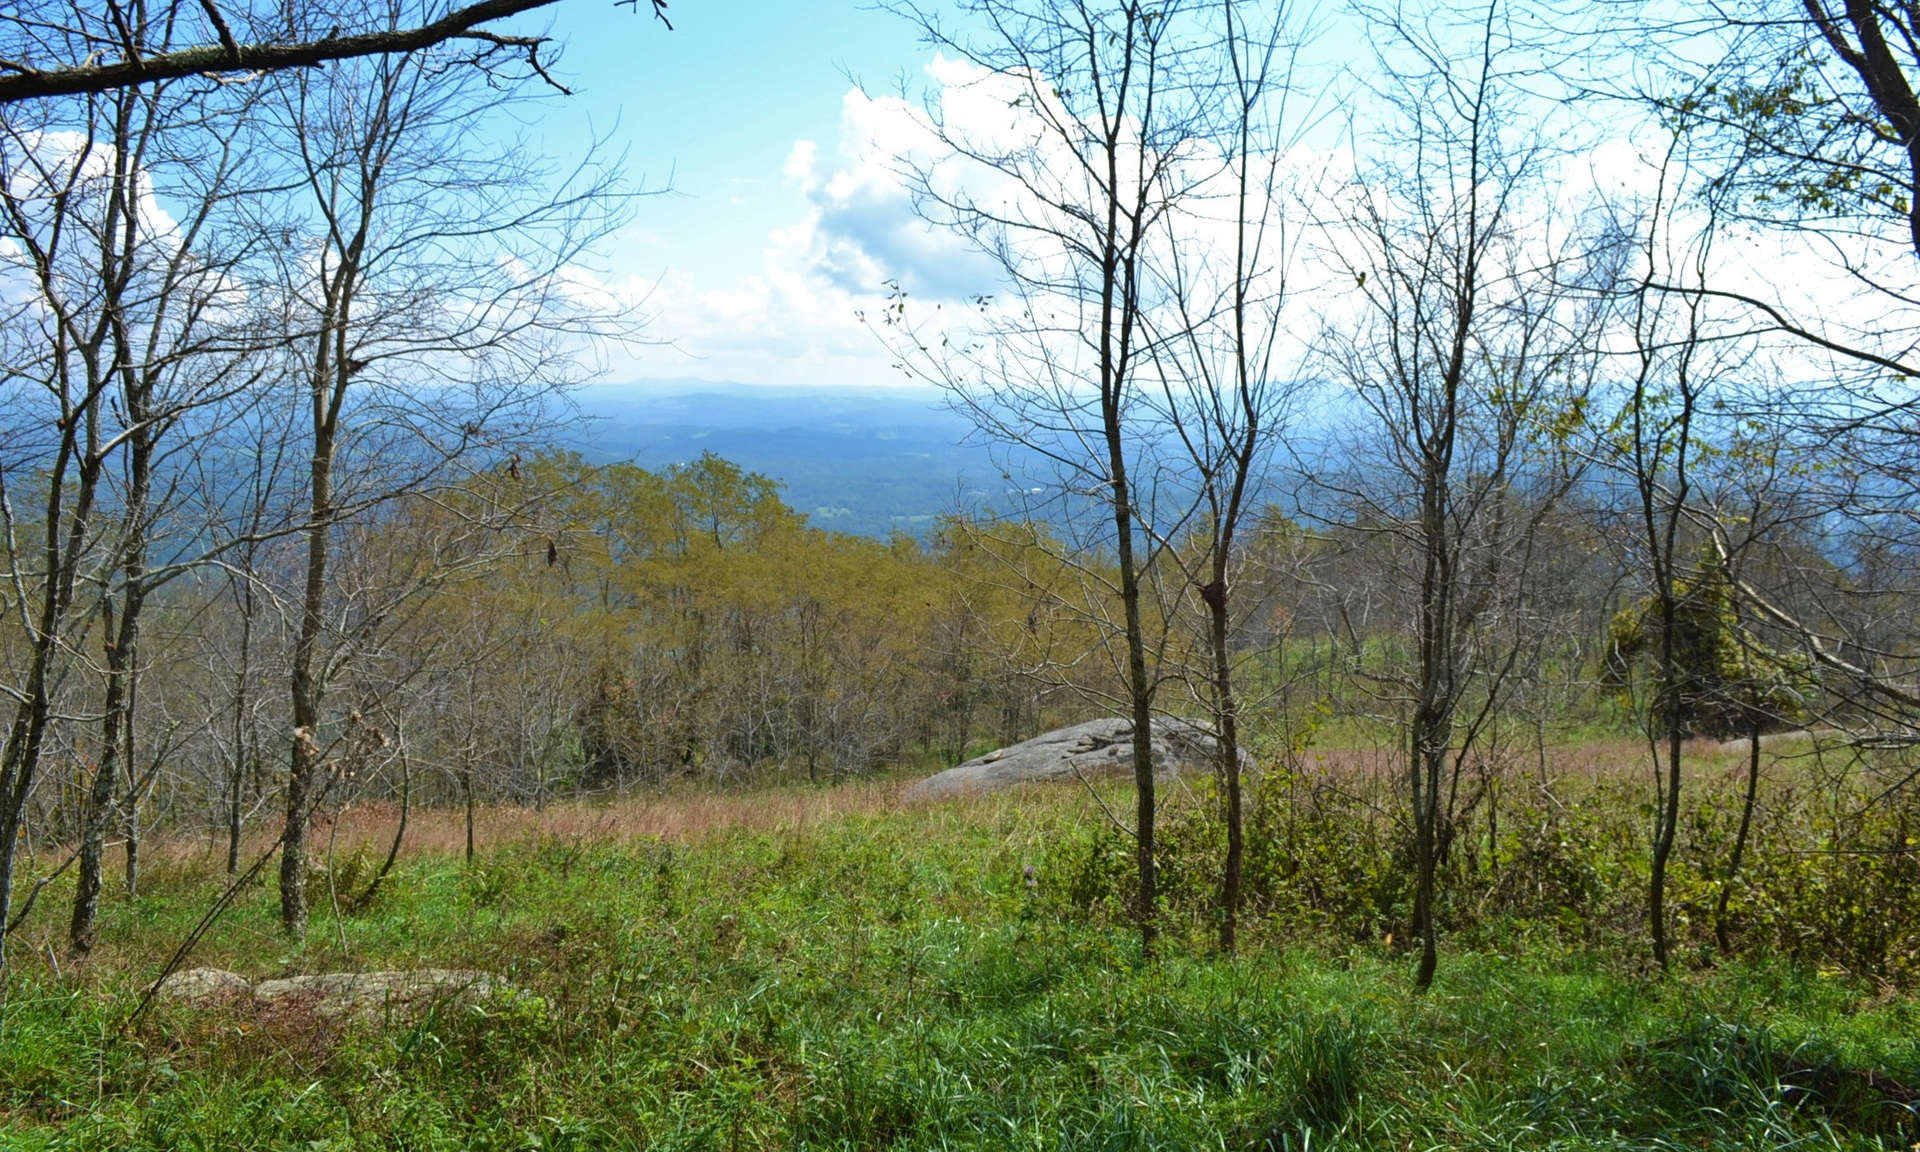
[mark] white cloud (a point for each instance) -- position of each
(855, 236)
(799, 168)
(859, 231)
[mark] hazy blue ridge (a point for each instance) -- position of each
(854, 461)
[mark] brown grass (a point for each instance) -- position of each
(1593, 761)
(680, 817)
(687, 815)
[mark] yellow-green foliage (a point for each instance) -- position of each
(1832, 889)
(687, 621)
(1727, 680)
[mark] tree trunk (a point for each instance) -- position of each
(466, 788)
(1667, 810)
(1491, 782)
(1227, 736)
(239, 767)
(122, 659)
(1430, 734)
(1740, 839)
(132, 828)
(1667, 821)
(1426, 804)
(136, 784)
(303, 761)
(399, 836)
(106, 776)
(26, 736)
(1662, 542)
(1146, 898)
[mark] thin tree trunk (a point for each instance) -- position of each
(1662, 544)
(1667, 810)
(331, 372)
(1227, 734)
(1491, 782)
(1146, 898)
(106, 775)
(122, 660)
(1431, 732)
(1426, 809)
(303, 760)
(132, 828)
(26, 736)
(399, 835)
(466, 787)
(1740, 839)
(239, 767)
(136, 786)
(1667, 822)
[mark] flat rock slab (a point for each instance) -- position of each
(199, 985)
(1096, 748)
(358, 995)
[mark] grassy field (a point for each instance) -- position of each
(832, 969)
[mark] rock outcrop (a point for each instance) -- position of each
(1098, 747)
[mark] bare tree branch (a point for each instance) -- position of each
(228, 56)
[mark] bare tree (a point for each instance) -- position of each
(132, 322)
(55, 464)
(1472, 362)
(430, 316)
(1675, 366)
(52, 48)
(1083, 182)
(1800, 128)
(1225, 268)
(181, 343)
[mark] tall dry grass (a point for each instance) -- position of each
(680, 817)
(688, 815)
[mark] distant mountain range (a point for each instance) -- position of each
(861, 461)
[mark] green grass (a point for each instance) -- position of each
(890, 980)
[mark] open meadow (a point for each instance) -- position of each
(834, 968)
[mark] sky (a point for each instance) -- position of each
(741, 116)
(770, 130)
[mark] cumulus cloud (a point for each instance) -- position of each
(866, 231)
(855, 239)
(859, 234)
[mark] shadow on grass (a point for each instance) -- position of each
(1714, 1068)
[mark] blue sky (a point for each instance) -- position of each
(715, 109)
(784, 212)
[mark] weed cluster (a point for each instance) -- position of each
(1832, 886)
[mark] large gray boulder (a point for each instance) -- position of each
(1096, 748)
